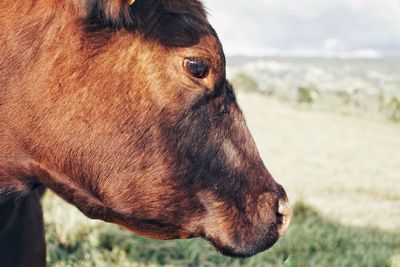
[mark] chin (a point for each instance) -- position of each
(245, 251)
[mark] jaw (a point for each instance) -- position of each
(155, 230)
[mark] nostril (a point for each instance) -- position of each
(283, 216)
(279, 219)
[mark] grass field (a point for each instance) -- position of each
(343, 173)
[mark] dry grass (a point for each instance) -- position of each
(346, 167)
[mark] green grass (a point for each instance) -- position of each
(311, 241)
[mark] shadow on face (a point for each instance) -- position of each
(201, 173)
(242, 210)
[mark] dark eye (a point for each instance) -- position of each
(197, 67)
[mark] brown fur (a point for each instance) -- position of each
(96, 106)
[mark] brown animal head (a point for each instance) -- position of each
(125, 111)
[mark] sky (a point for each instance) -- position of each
(344, 28)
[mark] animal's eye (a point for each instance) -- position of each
(197, 67)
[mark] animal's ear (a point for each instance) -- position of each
(172, 23)
(113, 13)
(143, 15)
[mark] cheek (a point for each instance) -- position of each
(215, 218)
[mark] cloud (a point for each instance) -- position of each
(316, 26)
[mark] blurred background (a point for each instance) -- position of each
(319, 84)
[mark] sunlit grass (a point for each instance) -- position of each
(311, 241)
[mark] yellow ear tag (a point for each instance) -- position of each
(131, 2)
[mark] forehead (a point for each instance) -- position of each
(173, 23)
(181, 25)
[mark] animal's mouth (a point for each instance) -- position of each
(245, 236)
(245, 251)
